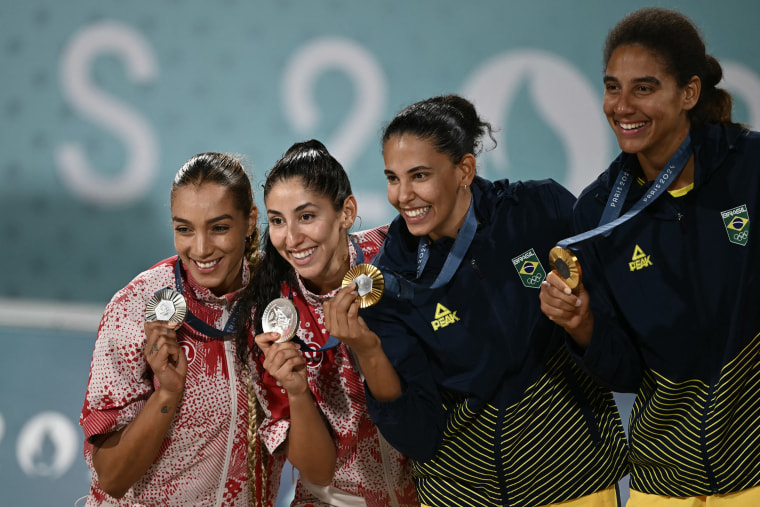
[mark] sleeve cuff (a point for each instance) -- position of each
(274, 434)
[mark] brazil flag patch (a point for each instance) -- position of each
(530, 269)
(737, 224)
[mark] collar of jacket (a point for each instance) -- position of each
(399, 252)
(711, 145)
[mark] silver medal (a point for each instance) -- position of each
(166, 305)
(280, 316)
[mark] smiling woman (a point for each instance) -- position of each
(210, 235)
(310, 233)
(463, 373)
(669, 299)
(161, 391)
(311, 387)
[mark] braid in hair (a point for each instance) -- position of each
(257, 454)
(252, 250)
(258, 457)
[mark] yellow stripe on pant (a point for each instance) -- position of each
(604, 498)
(745, 498)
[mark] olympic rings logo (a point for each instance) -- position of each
(741, 236)
(535, 279)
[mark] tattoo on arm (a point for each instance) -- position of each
(154, 349)
(165, 409)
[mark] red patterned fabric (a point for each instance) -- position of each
(367, 466)
(203, 460)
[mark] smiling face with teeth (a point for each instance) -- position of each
(309, 233)
(209, 235)
(426, 186)
(646, 108)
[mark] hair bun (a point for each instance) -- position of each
(713, 72)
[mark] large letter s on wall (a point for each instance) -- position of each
(142, 149)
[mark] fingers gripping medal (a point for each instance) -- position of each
(566, 264)
(280, 316)
(166, 305)
(370, 283)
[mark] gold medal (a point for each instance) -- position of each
(280, 316)
(370, 283)
(166, 305)
(564, 262)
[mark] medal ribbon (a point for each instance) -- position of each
(404, 289)
(457, 253)
(610, 217)
(198, 324)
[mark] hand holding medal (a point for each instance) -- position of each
(562, 259)
(280, 316)
(283, 362)
(342, 312)
(168, 306)
(370, 283)
(564, 299)
(564, 262)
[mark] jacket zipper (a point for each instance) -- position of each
(497, 450)
(500, 468)
(474, 265)
(230, 355)
(703, 437)
(713, 483)
(679, 217)
(384, 446)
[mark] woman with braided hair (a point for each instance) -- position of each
(668, 304)
(311, 387)
(166, 414)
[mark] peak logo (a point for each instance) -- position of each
(443, 317)
(639, 260)
(737, 224)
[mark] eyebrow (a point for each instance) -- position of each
(209, 221)
(644, 79)
(409, 171)
(298, 208)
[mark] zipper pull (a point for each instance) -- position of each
(474, 265)
(679, 216)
